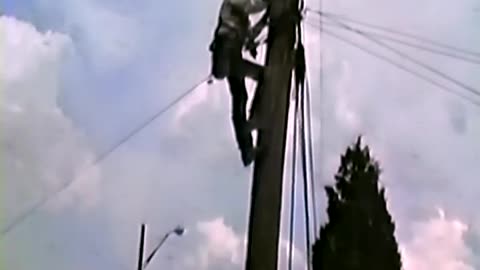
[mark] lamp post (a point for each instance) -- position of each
(179, 231)
(141, 246)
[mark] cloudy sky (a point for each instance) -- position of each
(79, 74)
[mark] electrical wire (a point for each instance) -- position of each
(21, 218)
(397, 32)
(400, 66)
(406, 56)
(440, 52)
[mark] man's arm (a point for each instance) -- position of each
(250, 6)
(255, 30)
(253, 33)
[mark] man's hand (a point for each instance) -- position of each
(253, 52)
(252, 48)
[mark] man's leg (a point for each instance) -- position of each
(256, 72)
(253, 119)
(251, 70)
(239, 118)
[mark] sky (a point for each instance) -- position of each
(79, 74)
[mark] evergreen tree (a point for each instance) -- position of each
(360, 232)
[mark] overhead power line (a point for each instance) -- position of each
(21, 218)
(432, 50)
(408, 57)
(438, 44)
(401, 66)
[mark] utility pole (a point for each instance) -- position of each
(266, 194)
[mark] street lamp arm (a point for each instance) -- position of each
(150, 257)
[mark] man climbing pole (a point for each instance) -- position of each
(232, 35)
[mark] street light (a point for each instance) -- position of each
(179, 231)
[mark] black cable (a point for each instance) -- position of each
(404, 55)
(402, 67)
(305, 181)
(397, 32)
(300, 73)
(416, 46)
(20, 219)
(307, 115)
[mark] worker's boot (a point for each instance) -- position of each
(254, 124)
(247, 148)
(249, 155)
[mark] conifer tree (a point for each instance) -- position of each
(359, 234)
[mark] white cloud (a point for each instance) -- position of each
(205, 96)
(426, 140)
(221, 243)
(41, 148)
(182, 175)
(111, 39)
(105, 37)
(221, 247)
(437, 243)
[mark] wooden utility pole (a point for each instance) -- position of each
(266, 194)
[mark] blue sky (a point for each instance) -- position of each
(79, 74)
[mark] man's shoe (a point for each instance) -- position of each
(251, 125)
(248, 156)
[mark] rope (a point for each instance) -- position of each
(21, 218)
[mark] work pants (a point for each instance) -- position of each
(227, 61)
